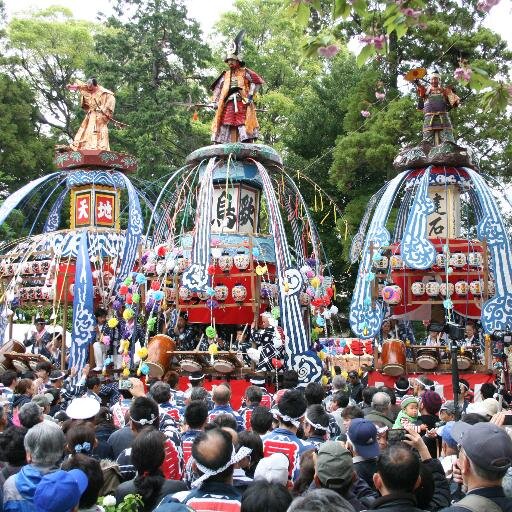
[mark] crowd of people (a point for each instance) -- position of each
(73, 442)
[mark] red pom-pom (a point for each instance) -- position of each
(346, 349)
(161, 251)
(155, 285)
(357, 348)
(129, 298)
(277, 363)
(123, 289)
(211, 270)
(329, 291)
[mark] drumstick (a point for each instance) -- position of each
(231, 342)
(197, 348)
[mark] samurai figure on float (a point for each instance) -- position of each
(233, 93)
(436, 101)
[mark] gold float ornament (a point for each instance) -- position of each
(286, 286)
(407, 342)
(415, 74)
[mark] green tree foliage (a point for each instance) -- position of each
(49, 48)
(153, 58)
(25, 153)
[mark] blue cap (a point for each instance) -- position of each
(446, 434)
(60, 491)
(363, 436)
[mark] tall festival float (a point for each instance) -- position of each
(229, 237)
(446, 259)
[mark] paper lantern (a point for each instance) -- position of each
(475, 259)
(418, 288)
(475, 287)
(225, 262)
(184, 293)
(392, 294)
(221, 292)
(241, 261)
(446, 289)
(458, 260)
(396, 262)
(432, 288)
(461, 288)
(239, 293)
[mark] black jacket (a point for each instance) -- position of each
(397, 502)
(495, 494)
(441, 497)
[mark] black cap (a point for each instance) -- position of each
(196, 376)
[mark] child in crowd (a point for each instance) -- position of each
(408, 415)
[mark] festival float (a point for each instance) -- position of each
(445, 260)
(229, 237)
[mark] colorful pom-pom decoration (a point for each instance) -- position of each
(211, 332)
(155, 285)
(275, 312)
(136, 298)
(315, 282)
(126, 372)
(123, 289)
(140, 279)
(113, 323)
(213, 349)
(128, 281)
(128, 314)
(158, 295)
(151, 322)
(142, 352)
(106, 340)
(144, 369)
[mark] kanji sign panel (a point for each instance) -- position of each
(444, 222)
(105, 209)
(225, 210)
(83, 209)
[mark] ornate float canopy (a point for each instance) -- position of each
(433, 237)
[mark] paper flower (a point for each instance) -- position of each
(365, 113)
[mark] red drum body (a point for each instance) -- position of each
(160, 349)
(393, 357)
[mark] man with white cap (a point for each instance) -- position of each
(484, 457)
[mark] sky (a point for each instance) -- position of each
(207, 12)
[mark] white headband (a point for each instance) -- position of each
(236, 456)
(316, 426)
(145, 421)
(294, 421)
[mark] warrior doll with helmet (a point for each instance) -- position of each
(436, 101)
(235, 119)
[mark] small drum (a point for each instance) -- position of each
(20, 366)
(10, 346)
(464, 362)
(160, 349)
(223, 366)
(34, 360)
(393, 357)
(427, 358)
(191, 365)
